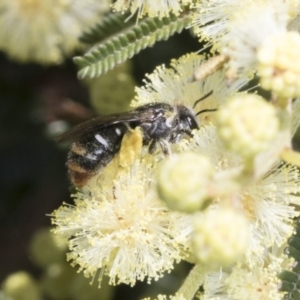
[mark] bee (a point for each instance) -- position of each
(96, 141)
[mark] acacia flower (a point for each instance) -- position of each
(279, 64)
(120, 227)
(245, 36)
(220, 236)
(151, 8)
(211, 18)
(267, 202)
(240, 122)
(259, 282)
(46, 31)
(185, 195)
(228, 26)
(175, 85)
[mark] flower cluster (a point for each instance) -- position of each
(151, 8)
(119, 226)
(46, 31)
(241, 282)
(232, 209)
(226, 196)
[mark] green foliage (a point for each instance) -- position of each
(290, 279)
(111, 24)
(124, 45)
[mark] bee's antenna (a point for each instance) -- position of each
(203, 98)
(205, 110)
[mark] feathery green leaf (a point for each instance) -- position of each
(111, 24)
(127, 43)
(290, 279)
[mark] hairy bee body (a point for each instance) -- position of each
(97, 141)
(88, 155)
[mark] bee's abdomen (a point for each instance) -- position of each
(88, 156)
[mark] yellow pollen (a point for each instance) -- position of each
(249, 209)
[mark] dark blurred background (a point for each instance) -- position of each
(34, 100)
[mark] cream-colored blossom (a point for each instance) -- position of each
(45, 31)
(220, 236)
(220, 21)
(151, 8)
(266, 202)
(211, 18)
(230, 27)
(120, 227)
(175, 85)
(240, 123)
(279, 64)
(182, 184)
(259, 282)
(118, 224)
(245, 36)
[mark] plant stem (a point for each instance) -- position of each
(192, 283)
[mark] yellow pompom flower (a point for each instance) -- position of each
(220, 237)
(151, 8)
(259, 282)
(120, 227)
(184, 180)
(279, 65)
(267, 202)
(45, 31)
(175, 85)
(247, 124)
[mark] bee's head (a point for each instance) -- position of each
(187, 119)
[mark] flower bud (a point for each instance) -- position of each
(21, 286)
(47, 248)
(220, 237)
(56, 281)
(183, 182)
(279, 64)
(247, 124)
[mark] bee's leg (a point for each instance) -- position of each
(128, 126)
(165, 147)
(178, 136)
(188, 132)
(152, 146)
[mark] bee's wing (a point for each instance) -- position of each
(96, 124)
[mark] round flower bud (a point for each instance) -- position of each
(279, 64)
(47, 248)
(220, 237)
(57, 279)
(21, 286)
(183, 182)
(247, 124)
